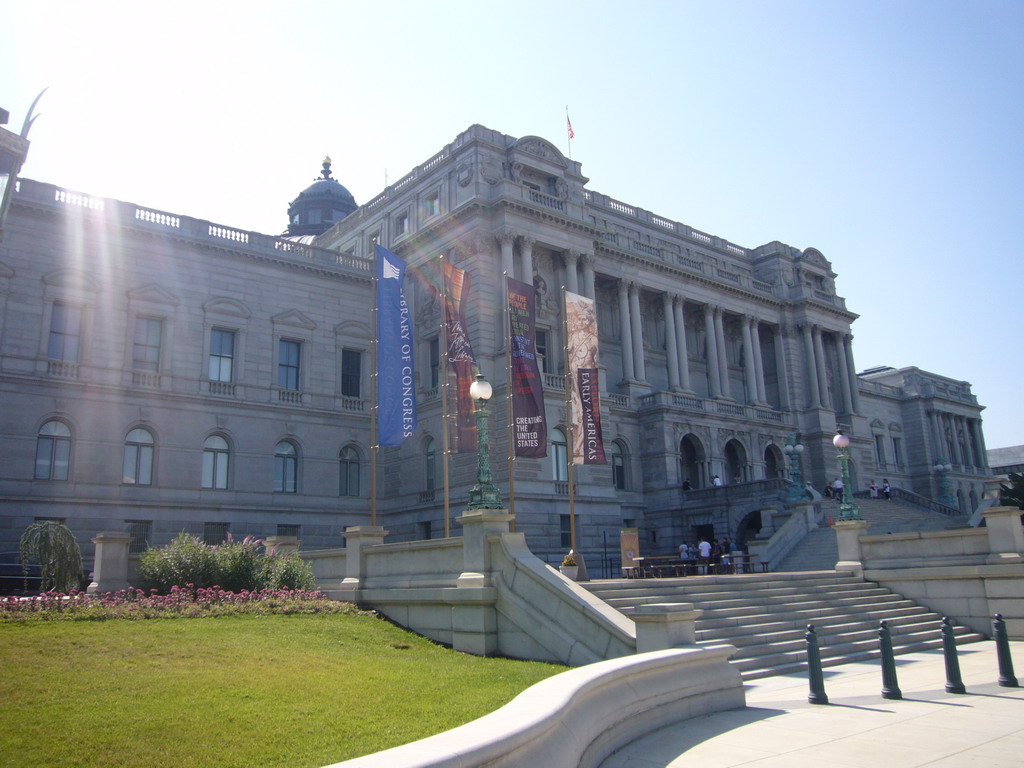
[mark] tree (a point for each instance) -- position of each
(1012, 495)
(53, 546)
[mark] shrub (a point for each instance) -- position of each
(287, 572)
(53, 546)
(186, 560)
(239, 565)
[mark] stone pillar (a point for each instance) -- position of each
(507, 240)
(723, 356)
(781, 373)
(844, 380)
(526, 252)
(711, 343)
(283, 545)
(854, 381)
(848, 533)
(588, 277)
(749, 372)
(625, 333)
(671, 344)
(819, 360)
(474, 617)
(683, 354)
(660, 626)
(812, 369)
(358, 538)
(477, 525)
(571, 282)
(1005, 535)
(110, 569)
(936, 437)
(755, 334)
(636, 325)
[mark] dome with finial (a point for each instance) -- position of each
(319, 205)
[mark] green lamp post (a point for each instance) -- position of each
(793, 450)
(484, 495)
(943, 468)
(848, 510)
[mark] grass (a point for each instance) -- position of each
(253, 691)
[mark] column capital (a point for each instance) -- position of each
(572, 257)
(526, 241)
(506, 238)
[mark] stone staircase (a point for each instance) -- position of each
(766, 616)
(817, 551)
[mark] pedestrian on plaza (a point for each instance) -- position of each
(873, 489)
(716, 481)
(829, 490)
(684, 551)
(687, 485)
(886, 490)
(837, 489)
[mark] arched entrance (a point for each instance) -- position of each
(774, 463)
(691, 462)
(735, 462)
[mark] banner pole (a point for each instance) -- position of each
(373, 389)
(510, 430)
(443, 352)
(570, 439)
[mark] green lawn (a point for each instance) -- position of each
(234, 691)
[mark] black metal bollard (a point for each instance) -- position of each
(814, 677)
(954, 683)
(890, 685)
(1006, 678)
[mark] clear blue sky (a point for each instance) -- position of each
(886, 134)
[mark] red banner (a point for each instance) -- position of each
(529, 427)
(462, 367)
(581, 333)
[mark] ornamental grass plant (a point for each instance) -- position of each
(277, 678)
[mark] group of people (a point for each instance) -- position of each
(834, 490)
(704, 551)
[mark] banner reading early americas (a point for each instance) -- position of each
(530, 429)
(396, 384)
(581, 334)
(462, 367)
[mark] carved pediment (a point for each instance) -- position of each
(152, 294)
(224, 306)
(538, 147)
(70, 278)
(294, 319)
(352, 329)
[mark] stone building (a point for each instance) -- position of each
(161, 373)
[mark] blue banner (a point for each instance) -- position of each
(396, 383)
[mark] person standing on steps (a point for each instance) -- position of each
(886, 490)
(837, 492)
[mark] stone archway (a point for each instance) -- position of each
(692, 463)
(735, 462)
(774, 462)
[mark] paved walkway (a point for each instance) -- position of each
(927, 727)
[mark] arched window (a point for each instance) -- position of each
(286, 467)
(559, 456)
(620, 466)
(53, 451)
(138, 458)
(216, 460)
(348, 472)
(430, 464)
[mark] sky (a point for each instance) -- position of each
(888, 135)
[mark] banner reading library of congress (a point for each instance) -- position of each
(462, 367)
(529, 427)
(396, 384)
(581, 337)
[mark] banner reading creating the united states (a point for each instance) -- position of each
(529, 427)
(396, 387)
(462, 367)
(581, 336)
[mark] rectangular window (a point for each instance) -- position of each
(141, 531)
(222, 355)
(880, 450)
(565, 531)
(351, 372)
(288, 364)
(425, 530)
(215, 533)
(542, 351)
(146, 348)
(897, 451)
(435, 362)
(284, 529)
(65, 333)
(432, 205)
(401, 224)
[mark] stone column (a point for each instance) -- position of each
(526, 252)
(358, 538)
(781, 373)
(755, 335)
(749, 372)
(812, 368)
(636, 325)
(711, 343)
(936, 437)
(571, 282)
(1005, 535)
(660, 626)
(507, 240)
(956, 458)
(819, 359)
(475, 620)
(854, 381)
(679, 310)
(844, 381)
(110, 569)
(848, 533)
(671, 343)
(723, 356)
(625, 333)
(588, 277)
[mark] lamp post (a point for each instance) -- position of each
(848, 510)
(943, 468)
(793, 450)
(484, 495)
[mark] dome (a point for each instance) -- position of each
(319, 205)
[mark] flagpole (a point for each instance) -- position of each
(443, 353)
(511, 429)
(570, 440)
(373, 389)
(568, 131)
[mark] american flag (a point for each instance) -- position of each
(568, 126)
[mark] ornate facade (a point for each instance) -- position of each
(162, 373)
